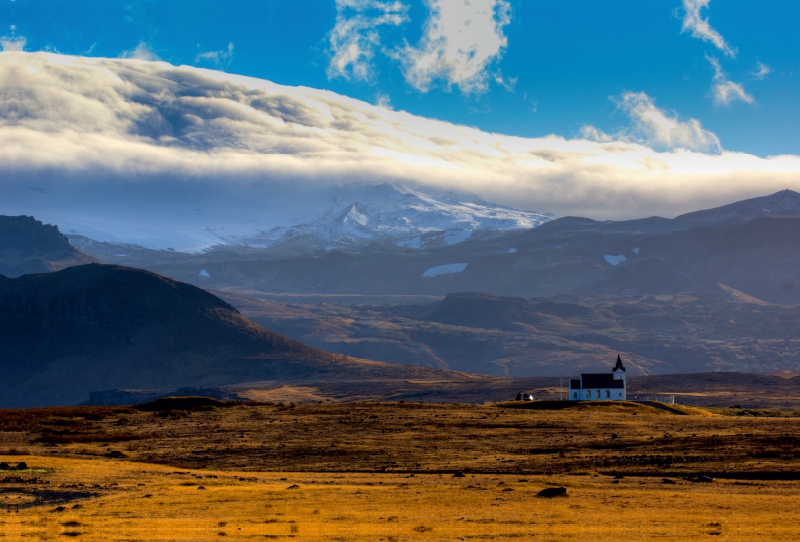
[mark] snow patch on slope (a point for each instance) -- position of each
(615, 260)
(411, 243)
(445, 269)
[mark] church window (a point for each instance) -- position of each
(575, 395)
(597, 394)
(608, 394)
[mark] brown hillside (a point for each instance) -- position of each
(96, 326)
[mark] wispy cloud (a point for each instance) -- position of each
(461, 40)
(143, 51)
(699, 27)
(13, 43)
(218, 59)
(356, 36)
(383, 100)
(656, 127)
(507, 83)
(724, 90)
(762, 70)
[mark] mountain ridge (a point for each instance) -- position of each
(783, 203)
(29, 246)
(757, 253)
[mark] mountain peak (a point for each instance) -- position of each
(29, 246)
(785, 200)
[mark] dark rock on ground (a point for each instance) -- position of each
(551, 492)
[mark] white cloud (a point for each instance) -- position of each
(218, 59)
(724, 90)
(127, 142)
(699, 27)
(355, 37)
(761, 71)
(461, 39)
(143, 51)
(656, 128)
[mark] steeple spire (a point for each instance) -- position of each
(619, 365)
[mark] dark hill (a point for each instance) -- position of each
(28, 246)
(92, 327)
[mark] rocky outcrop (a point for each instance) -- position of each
(28, 246)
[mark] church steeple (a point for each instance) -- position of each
(619, 374)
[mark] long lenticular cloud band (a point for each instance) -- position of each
(73, 120)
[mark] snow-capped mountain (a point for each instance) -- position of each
(357, 214)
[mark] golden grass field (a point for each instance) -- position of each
(377, 471)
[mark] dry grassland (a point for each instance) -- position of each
(372, 471)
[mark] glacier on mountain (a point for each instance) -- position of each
(357, 214)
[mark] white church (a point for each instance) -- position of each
(600, 386)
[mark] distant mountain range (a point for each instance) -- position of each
(352, 217)
(717, 289)
(751, 246)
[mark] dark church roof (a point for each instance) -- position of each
(601, 380)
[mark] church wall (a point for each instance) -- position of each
(615, 394)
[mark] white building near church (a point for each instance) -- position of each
(600, 386)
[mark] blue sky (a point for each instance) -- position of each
(560, 64)
(610, 110)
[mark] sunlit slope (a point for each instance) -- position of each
(714, 329)
(97, 326)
